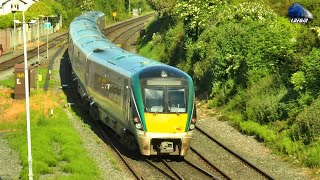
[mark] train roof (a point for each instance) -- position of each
(86, 35)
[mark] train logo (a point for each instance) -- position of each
(298, 14)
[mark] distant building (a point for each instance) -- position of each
(19, 5)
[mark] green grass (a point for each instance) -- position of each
(151, 51)
(43, 73)
(8, 82)
(56, 148)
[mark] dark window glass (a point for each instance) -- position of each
(154, 99)
(176, 100)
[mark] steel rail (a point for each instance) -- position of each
(236, 155)
(171, 169)
(210, 164)
(31, 53)
(159, 169)
(105, 137)
(138, 27)
(201, 170)
(112, 28)
(46, 84)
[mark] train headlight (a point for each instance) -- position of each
(193, 120)
(136, 120)
(138, 125)
(192, 126)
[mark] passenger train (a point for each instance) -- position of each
(148, 104)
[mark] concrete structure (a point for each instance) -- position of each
(22, 5)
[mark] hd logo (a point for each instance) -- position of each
(299, 14)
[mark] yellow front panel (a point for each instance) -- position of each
(166, 123)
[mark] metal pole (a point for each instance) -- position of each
(38, 41)
(129, 7)
(26, 80)
(47, 39)
(14, 31)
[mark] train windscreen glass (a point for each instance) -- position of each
(176, 100)
(164, 96)
(154, 99)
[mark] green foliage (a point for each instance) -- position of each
(247, 11)
(6, 21)
(233, 49)
(222, 91)
(173, 40)
(163, 7)
(298, 80)
(86, 5)
(313, 156)
(263, 100)
(152, 50)
(195, 14)
(287, 146)
(164, 39)
(262, 132)
(311, 69)
(307, 123)
(8, 82)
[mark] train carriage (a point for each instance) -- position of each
(150, 105)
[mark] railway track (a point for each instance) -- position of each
(209, 165)
(109, 30)
(33, 52)
(125, 34)
(260, 174)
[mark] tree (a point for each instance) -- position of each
(163, 7)
(86, 5)
(195, 14)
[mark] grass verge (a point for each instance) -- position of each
(57, 149)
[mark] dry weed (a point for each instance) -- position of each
(11, 110)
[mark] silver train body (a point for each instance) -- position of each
(150, 105)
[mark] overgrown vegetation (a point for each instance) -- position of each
(248, 60)
(69, 9)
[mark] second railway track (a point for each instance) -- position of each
(235, 160)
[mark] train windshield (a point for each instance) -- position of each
(168, 97)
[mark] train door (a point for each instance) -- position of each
(126, 102)
(87, 71)
(70, 47)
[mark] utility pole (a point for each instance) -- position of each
(26, 80)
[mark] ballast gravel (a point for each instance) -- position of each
(251, 149)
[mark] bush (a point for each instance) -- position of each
(287, 146)
(311, 69)
(313, 156)
(263, 100)
(307, 122)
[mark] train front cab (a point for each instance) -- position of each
(168, 113)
